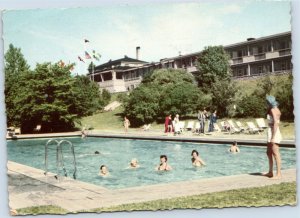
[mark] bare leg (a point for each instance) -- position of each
(270, 158)
(276, 154)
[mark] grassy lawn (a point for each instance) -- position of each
(47, 209)
(282, 194)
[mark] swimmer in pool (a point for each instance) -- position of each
(97, 152)
(234, 148)
(163, 166)
(134, 163)
(196, 160)
(103, 171)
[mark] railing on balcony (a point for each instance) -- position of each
(132, 78)
(237, 60)
(260, 57)
(285, 52)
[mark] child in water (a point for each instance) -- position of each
(196, 160)
(134, 163)
(103, 171)
(234, 148)
(163, 166)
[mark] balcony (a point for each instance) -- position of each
(192, 69)
(285, 52)
(260, 57)
(237, 60)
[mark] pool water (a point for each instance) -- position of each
(116, 154)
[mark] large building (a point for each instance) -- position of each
(254, 57)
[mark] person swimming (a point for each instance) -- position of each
(103, 171)
(196, 160)
(97, 152)
(163, 166)
(134, 163)
(234, 148)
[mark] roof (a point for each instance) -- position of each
(117, 62)
(260, 39)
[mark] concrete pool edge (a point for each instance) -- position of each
(216, 140)
(195, 139)
(79, 196)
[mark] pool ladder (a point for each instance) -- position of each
(60, 156)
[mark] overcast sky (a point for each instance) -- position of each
(161, 30)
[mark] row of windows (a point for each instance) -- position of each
(255, 49)
(262, 68)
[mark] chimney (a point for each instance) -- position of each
(137, 49)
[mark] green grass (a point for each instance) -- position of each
(47, 209)
(282, 194)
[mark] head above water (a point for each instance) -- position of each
(271, 101)
(234, 143)
(195, 151)
(102, 166)
(163, 157)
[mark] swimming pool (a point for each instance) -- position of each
(117, 153)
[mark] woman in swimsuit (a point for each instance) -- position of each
(274, 136)
(196, 160)
(163, 166)
(126, 124)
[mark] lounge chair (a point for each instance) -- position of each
(190, 125)
(217, 128)
(233, 128)
(147, 127)
(252, 128)
(261, 124)
(181, 125)
(240, 125)
(197, 127)
(37, 128)
(17, 131)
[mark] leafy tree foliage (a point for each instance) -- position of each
(48, 95)
(106, 96)
(15, 66)
(165, 91)
(213, 65)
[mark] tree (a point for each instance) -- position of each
(213, 65)
(15, 66)
(163, 92)
(106, 96)
(50, 96)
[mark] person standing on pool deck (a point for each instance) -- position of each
(126, 124)
(163, 166)
(274, 136)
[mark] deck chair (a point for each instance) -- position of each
(252, 128)
(181, 125)
(147, 127)
(17, 131)
(240, 125)
(190, 125)
(197, 127)
(261, 124)
(37, 128)
(233, 128)
(217, 128)
(223, 129)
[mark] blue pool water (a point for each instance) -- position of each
(117, 153)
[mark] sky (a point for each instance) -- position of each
(161, 30)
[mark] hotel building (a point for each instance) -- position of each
(252, 58)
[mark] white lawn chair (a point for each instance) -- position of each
(217, 128)
(197, 127)
(17, 131)
(252, 128)
(190, 125)
(233, 128)
(181, 125)
(261, 124)
(240, 125)
(37, 128)
(147, 127)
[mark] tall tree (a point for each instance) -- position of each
(15, 66)
(213, 65)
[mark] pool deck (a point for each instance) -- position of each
(187, 136)
(29, 186)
